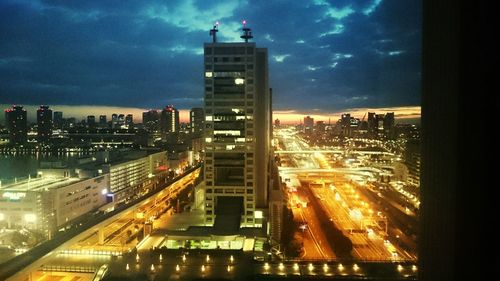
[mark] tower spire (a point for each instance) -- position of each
(247, 32)
(213, 32)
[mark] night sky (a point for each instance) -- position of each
(324, 56)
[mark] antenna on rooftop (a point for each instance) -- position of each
(247, 32)
(213, 32)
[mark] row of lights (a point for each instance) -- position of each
(326, 267)
(138, 258)
(91, 252)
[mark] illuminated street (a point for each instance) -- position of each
(344, 194)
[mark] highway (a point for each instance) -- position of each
(373, 225)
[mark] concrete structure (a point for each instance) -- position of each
(237, 129)
(58, 119)
(91, 121)
(196, 120)
(48, 203)
(169, 120)
(17, 124)
(44, 123)
(103, 122)
(308, 124)
(151, 120)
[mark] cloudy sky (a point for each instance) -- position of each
(324, 56)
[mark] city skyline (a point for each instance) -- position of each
(404, 114)
(324, 58)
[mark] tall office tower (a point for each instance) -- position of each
(151, 120)
(196, 120)
(121, 120)
(345, 123)
(308, 124)
(58, 119)
(389, 125)
(129, 119)
(91, 121)
(237, 144)
(16, 122)
(114, 120)
(44, 122)
(169, 120)
(103, 122)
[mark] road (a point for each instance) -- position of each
(373, 225)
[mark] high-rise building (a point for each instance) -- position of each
(169, 120)
(151, 120)
(345, 123)
(16, 123)
(380, 125)
(129, 120)
(121, 120)
(44, 122)
(103, 121)
(91, 121)
(308, 124)
(196, 120)
(58, 119)
(389, 124)
(237, 129)
(114, 119)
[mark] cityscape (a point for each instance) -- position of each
(236, 187)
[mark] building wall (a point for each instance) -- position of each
(127, 178)
(236, 124)
(75, 200)
(46, 210)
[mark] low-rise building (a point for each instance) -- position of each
(48, 203)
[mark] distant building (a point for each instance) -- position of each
(345, 124)
(121, 120)
(380, 125)
(151, 120)
(58, 120)
(103, 122)
(196, 120)
(91, 121)
(114, 120)
(17, 124)
(44, 123)
(389, 125)
(169, 120)
(129, 120)
(308, 124)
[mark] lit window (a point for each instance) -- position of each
(208, 139)
(239, 81)
(208, 74)
(208, 118)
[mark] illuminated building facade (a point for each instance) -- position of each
(49, 203)
(237, 130)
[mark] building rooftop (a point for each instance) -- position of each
(40, 184)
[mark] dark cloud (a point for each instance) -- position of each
(326, 55)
